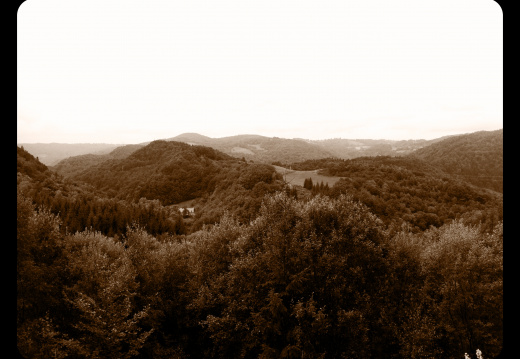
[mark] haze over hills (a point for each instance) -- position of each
(249, 146)
(348, 148)
(258, 148)
(384, 230)
(166, 173)
(51, 153)
(75, 164)
(271, 149)
(476, 158)
(172, 172)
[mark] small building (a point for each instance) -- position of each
(190, 211)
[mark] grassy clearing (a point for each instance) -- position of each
(298, 177)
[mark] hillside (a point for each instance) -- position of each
(51, 153)
(476, 157)
(107, 264)
(168, 171)
(353, 148)
(73, 165)
(297, 178)
(258, 148)
(407, 190)
(81, 206)
(250, 147)
(28, 165)
(284, 151)
(172, 172)
(423, 189)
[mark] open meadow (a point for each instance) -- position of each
(298, 177)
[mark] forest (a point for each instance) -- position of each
(399, 259)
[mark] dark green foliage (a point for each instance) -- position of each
(101, 293)
(173, 172)
(252, 175)
(40, 264)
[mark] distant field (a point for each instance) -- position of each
(298, 177)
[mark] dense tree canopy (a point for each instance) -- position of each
(317, 278)
(477, 158)
(265, 270)
(409, 191)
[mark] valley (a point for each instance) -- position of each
(281, 254)
(297, 178)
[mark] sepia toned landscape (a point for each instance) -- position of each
(260, 179)
(177, 250)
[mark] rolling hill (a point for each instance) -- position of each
(173, 172)
(475, 157)
(285, 151)
(406, 190)
(349, 148)
(51, 153)
(103, 241)
(250, 147)
(258, 148)
(75, 164)
(443, 175)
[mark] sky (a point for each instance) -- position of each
(127, 71)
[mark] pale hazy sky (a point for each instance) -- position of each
(126, 71)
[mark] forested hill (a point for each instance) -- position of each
(253, 148)
(258, 148)
(80, 206)
(29, 165)
(397, 260)
(476, 157)
(408, 190)
(353, 148)
(76, 164)
(51, 153)
(172, 172)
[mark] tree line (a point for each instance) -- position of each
(408, 191)
(263, 271)
(315, 278)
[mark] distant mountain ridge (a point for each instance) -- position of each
(257, 148)
(253, 147)
(51, 153)
(395, 188)
(353, 148)
(283, 150)
(433, 184)
(75, 164)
